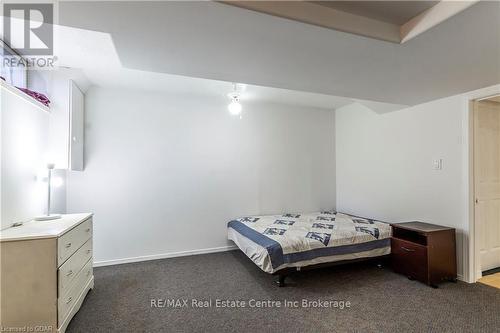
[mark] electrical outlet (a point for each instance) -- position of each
(437, 164)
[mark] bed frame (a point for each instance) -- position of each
(282, 274)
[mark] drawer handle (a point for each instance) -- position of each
(68, 245)
(87, 230)
(69, 273)
(407, 249)
(69, 300)
(88, 251)
(88, 272)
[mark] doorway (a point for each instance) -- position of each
(486, 188)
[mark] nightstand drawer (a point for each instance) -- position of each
(409, 258)
(68, 271)
(71, 241)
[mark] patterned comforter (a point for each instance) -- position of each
(277, 241)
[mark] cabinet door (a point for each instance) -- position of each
(77, 127)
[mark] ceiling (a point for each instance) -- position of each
(395, 12)
(93, 61)
(189, 86)
(215, 41)
(140, 44)
(392, 21)
(120, 78)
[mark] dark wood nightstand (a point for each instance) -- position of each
(424, 252)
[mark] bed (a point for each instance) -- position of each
(278, 243)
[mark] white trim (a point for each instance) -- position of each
(163, 256)
(472, 269)
(465, 190)
(474, 264)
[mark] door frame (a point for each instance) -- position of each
(475, 272)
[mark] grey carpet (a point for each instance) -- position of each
(381, 301)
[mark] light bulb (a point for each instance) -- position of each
(234, 107)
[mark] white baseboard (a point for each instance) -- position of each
(163, 256)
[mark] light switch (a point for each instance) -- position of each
(437, 164)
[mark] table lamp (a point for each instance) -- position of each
(48, 216)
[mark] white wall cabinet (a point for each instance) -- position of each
(66, 124)
(76, 120)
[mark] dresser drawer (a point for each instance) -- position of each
(409, 258)
(69, 270)
(71, 241)
(67, 301)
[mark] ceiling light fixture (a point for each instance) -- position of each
(234, 107)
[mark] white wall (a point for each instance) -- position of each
(24, 138)
(384, 164)
(165, 173)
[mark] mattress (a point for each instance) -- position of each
(274, 242)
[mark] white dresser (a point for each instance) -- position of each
(45, 273)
